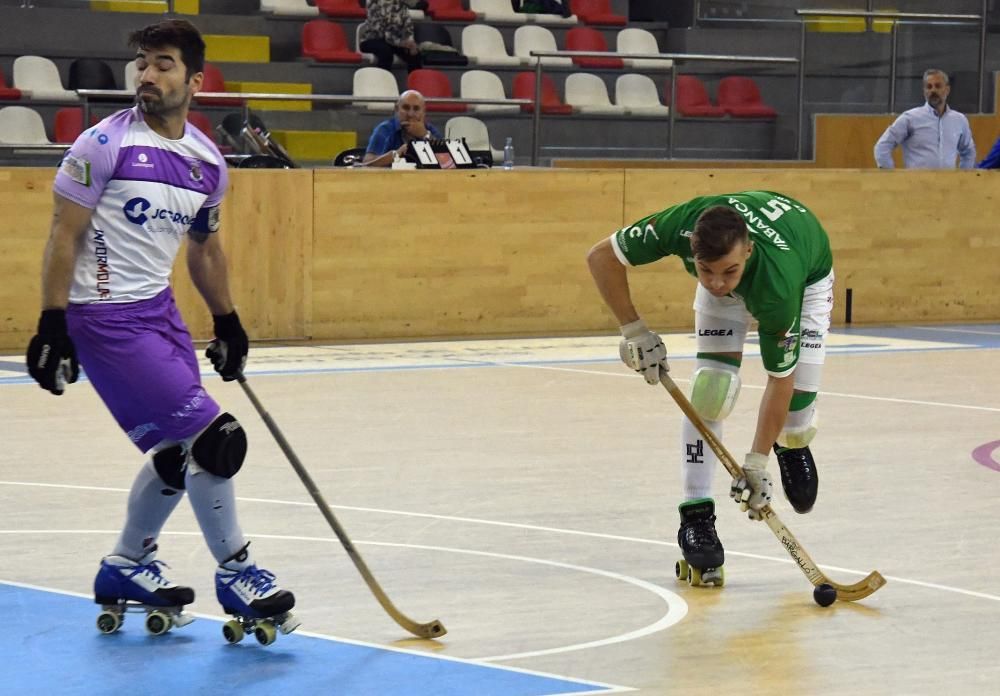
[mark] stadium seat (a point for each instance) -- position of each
(596, 12)
(637, 93)
(341, 8)
(740, 98)
(524, 88)
(40, 77)
(497, 11)
(449, 11)
(483, 45)
(480, 84)
(68, 124)
(375, 82)
(692, 98)
(20, 125)
(90, 73)
(588, 39)
(533, 38)
(324, 41)
(289, 8)
(588, 94)
(475, 132)
(202, 123)
(130, 76)
(436, 46)
(8, 93)
(214, 82)
(433, 83)
(640, 42)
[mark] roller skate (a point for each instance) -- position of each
(124, 585)
(799, 477)
(703, 552)
(255, 602)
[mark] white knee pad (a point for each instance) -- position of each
(800, 427)
(714, 391)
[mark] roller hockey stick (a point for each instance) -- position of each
(849, 593)
(433, 629)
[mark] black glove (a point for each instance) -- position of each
(228, 352)
(51, 354)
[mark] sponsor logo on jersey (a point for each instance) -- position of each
(102, 275)
(137, 212)
(94, 133)
(77, 169)
(196, 174)
(715, 332)
(143, 161)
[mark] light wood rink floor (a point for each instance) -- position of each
(525, 493)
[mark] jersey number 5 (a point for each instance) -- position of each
(775, 209)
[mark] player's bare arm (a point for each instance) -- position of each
(209, 273)
(611, 278)
(69, 223)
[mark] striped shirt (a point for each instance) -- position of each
(146, 192)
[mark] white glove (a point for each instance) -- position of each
(643, 351)
(753, 491)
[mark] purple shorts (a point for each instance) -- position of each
(140, 358)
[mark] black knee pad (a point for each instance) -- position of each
(170, 464)
(222, 447)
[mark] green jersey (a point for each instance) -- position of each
(791, 250)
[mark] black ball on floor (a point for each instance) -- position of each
(824, 595)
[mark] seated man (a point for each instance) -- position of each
(391, 136)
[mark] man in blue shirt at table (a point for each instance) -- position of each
(391, 137)
(932, 135)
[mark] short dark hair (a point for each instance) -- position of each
(716, 232)
(175, 33)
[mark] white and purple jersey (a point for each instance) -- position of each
(146, 192)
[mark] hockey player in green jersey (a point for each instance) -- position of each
(757, 255)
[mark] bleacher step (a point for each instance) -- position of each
(223, 48)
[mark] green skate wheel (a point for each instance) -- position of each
(265, 633)
(681, 569)
(694, 576)
(157, 623)
(232, 631)
(108, 622)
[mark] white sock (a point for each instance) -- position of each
(699, 460)
(213, 499)
(150, 503)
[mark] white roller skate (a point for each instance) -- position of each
(124, 585)
(256, 603)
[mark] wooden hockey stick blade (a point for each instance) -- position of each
(859, 590)
(432, 629)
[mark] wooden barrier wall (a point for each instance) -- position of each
(366, 255)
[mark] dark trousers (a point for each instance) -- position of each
(384, 51)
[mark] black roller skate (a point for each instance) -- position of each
(799, 476)
(703, 552)
(124, 585)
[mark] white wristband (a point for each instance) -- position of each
(634, 328)
(756, 461)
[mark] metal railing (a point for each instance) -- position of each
(898, 18)
(674, 57)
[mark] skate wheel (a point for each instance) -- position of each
(232, 631)
(715, 576)
(157, 623)
(265, 633)
(694, 576)
(681, 569)
(108, 622)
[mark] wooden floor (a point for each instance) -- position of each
(525, 493)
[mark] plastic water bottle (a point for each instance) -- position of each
(508, 154)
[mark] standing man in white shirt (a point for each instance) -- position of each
(933, 136)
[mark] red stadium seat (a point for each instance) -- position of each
(214, 82)
(202, 123)
(524, 88)
(8, 93)
(740, 98)
(325, 42)
(341, 8)
(449, 11)
(596, 12)
(692, 98)
(69, 124)
(433, 83)
(588, 39)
